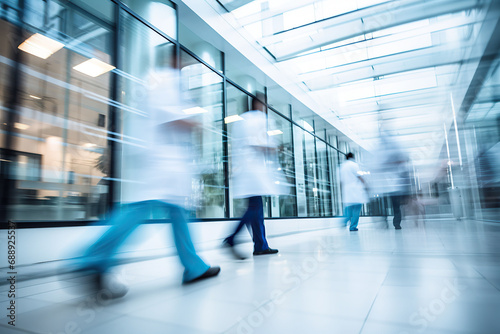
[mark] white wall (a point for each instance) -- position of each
(50, 244)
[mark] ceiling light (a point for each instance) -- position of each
(40, 46)
(21, 126)
(274, 132)
(231, 119)
(89, 145)
(93, 67)
(194, 111)
(35, 97)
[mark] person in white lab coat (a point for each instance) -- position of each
(251, 176)
(156, 175)
(353, 191)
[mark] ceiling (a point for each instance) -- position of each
(400, 65)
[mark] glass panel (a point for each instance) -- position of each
(279, 99)
(205, 87)
(313, 201)
(101, 9)
(281, 131)
(335, 182)
(324, 185)
(237, 103)
(245, 74)
(9, 10)
(200, 45)
(60, 147)
(6, 72)
(161, 14)
(145, 54)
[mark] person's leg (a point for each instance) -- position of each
(258, 228)
(396, 205)
(99, 256)
(347, 214)
(355, 211)
(194, 266)
(245, 220)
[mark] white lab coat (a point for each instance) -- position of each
(157, 159)
(353, 190)
(252, 173)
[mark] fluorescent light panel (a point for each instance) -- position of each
(194, 111)
(40, 46)
(21, 126)
(93, 67)
(274, 132)
(231, 119)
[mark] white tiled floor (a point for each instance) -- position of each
(443, 277)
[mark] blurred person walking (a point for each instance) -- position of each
(392, 175)
(354, 192)
(157, 176)
(251, 176)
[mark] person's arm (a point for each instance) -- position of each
(358, 175)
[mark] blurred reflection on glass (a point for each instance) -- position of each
(205, 88)
(63, 114)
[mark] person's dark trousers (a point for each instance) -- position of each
(254, 217)
(396, 206)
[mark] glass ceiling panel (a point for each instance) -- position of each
(363, 49)
(286, 44)
(367, 59)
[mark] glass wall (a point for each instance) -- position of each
(281, 130)
(61, 113)
(206, 89)
(82, 71)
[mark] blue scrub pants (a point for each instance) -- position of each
(123, 222)
(351, 213)
(254, 217)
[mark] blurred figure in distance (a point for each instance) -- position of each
(353, 191)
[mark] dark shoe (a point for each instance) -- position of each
(266, 252)
(211, 272)
(397, 227)
(353, 230)
(233, 250)
(109, 287)
(93, 280)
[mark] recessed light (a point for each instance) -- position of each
(93, 67)
(195, 110)
(231, 119)
(21, 126)
(40, 46)
(274, 132)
